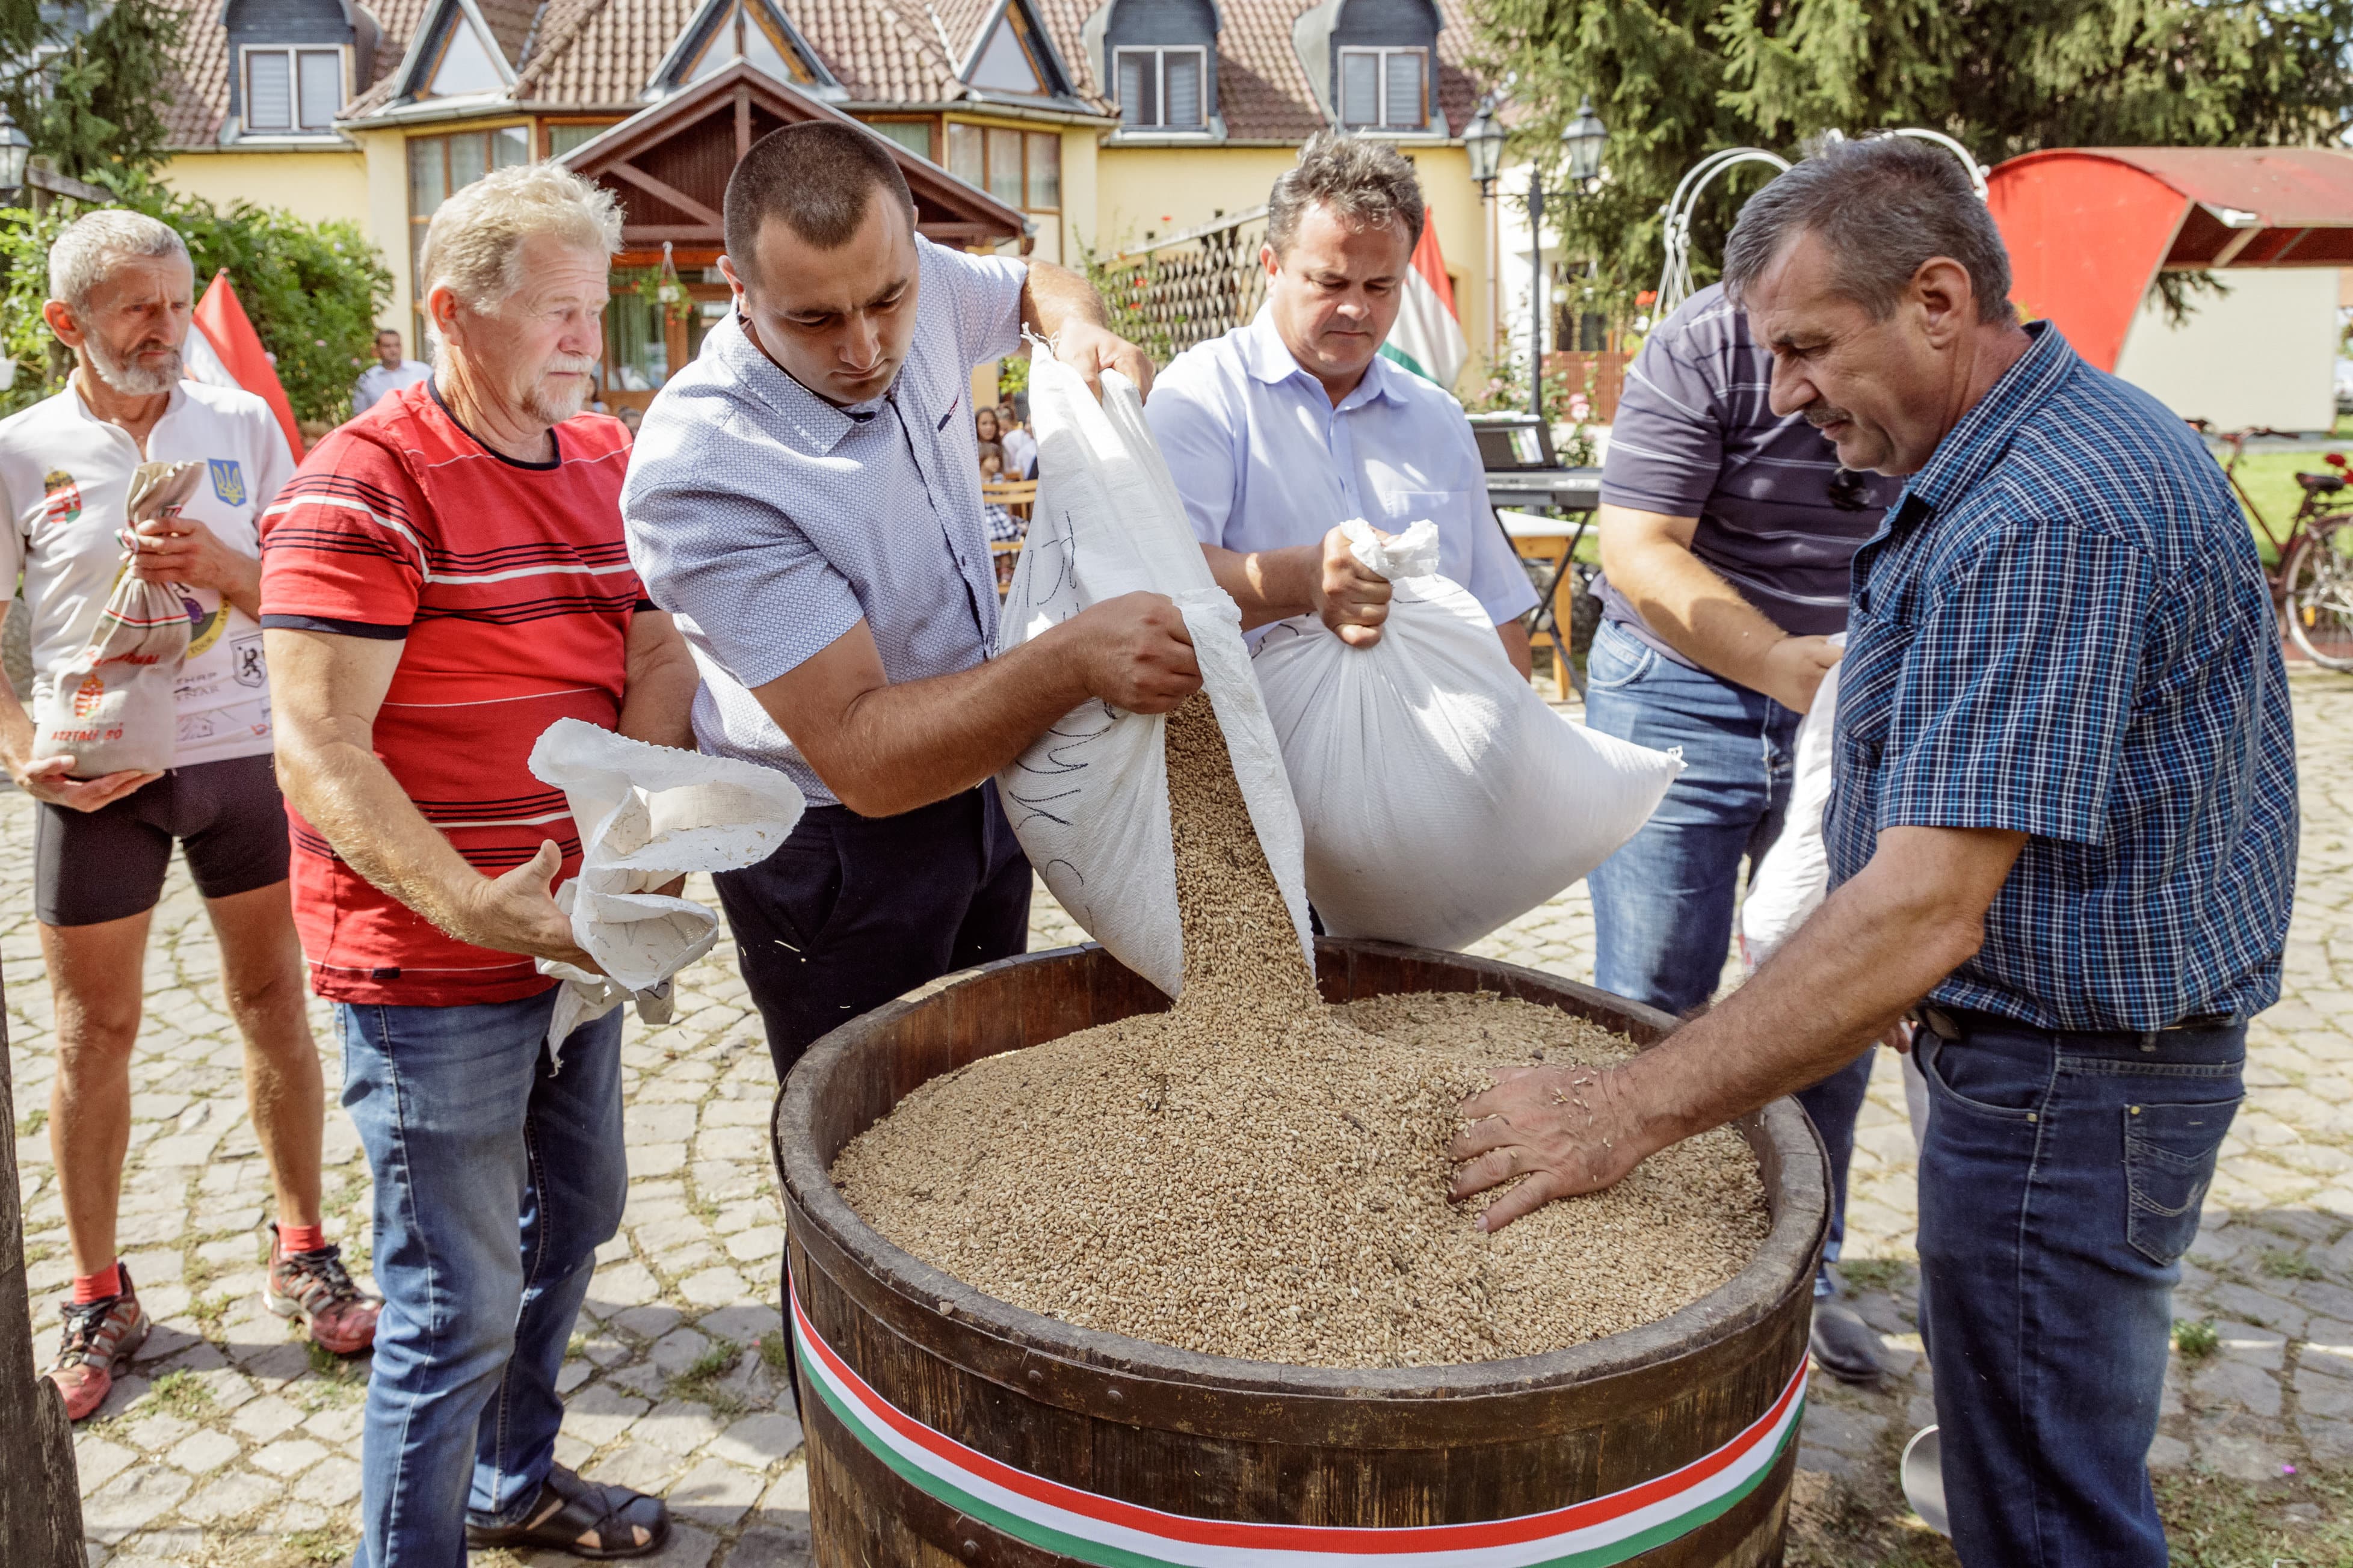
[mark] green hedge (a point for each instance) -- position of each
(313, 290)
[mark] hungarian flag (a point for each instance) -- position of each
(1428, 339)
(225, 351)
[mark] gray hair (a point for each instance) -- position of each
(92, 243)
(1882, 208)
(1365, 183)
(474, 244)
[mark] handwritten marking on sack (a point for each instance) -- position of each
(228, 480)
(64, 495)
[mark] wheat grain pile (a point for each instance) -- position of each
(1253, 1173)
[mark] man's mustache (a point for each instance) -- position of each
(1822, 414)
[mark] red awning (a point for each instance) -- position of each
(2089, 227)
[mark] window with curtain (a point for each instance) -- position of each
(1005, 165)
(1045, 193)
(438, 165)
(915, 135)
(1384, 89)
(563, 138)
(292, 90)
(964, 153)
(1163, 88)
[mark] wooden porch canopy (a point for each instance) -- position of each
(2089, 228)
(669, 164)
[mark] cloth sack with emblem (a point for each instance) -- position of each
(647, 814)
(111, 705)
(1089, 799)
(1442, 797)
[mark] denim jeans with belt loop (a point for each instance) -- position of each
(2060, 1184)
(498, 1173)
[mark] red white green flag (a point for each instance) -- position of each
(1428, 338)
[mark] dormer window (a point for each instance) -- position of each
(1162, 88)
(1159, 60)
(1384, 90)
(292, 90)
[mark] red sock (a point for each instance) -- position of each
(98, 1287)
(300, 1238)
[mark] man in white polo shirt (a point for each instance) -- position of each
(121, 290)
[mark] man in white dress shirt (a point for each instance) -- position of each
(1280, 430)
(388, 374)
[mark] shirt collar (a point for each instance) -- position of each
(1983, 435)
(1269, 359)
(819, 425)
(173, 402)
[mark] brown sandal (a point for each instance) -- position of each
(570, 1512)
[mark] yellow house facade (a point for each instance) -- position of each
(1065, 129)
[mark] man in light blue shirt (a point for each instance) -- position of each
(805, 498)
(1279, 431)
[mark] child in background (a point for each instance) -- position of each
(1003, 528)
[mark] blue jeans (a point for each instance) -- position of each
(1662, 905)
(496, 1181)
(2060, 1184)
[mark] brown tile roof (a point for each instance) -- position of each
(599, 55)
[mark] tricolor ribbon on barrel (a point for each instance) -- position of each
(1115, 1534)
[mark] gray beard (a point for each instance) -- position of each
(129, 379)
(554, 408)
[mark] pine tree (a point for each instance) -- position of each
(1675, 79)
(85, 81)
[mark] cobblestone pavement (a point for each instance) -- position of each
(233, 1442)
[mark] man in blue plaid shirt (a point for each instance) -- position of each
(2063, 830)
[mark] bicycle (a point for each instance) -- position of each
(2312, 586)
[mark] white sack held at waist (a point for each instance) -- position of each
(1794, 877)
(1089, 799)
(647, 814)
(1441, 797)
(113, 707)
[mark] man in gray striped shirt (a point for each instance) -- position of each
(1725, 535)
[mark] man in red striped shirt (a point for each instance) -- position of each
(443, 578)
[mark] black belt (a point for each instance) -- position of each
(1951, 1025)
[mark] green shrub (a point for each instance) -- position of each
(312, 291)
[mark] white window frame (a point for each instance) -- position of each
(1160, 53)
(1381, 88)
(293, 54)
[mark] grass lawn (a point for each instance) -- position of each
(2270, 479)
(2304, 1520)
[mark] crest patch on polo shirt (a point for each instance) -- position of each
(228, 479)
(64, 496)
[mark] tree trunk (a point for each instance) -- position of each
(40, 1495)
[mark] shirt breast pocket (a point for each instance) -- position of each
(1401, 509)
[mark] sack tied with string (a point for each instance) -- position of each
(111, 706)
(1440, 796)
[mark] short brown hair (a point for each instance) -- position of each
(819, 177)
(1365, 183)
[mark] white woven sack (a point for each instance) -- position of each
(1440, 796)
(1790, 882)
(1089, 799)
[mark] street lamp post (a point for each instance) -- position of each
(16, 147)
(1482, 142)
(1584, 138)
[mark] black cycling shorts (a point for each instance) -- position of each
(105, 865)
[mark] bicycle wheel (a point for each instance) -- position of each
(2317, 585)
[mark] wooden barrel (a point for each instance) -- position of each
(947, 1427)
